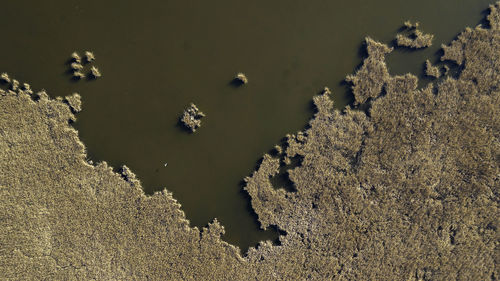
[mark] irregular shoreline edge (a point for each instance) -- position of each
(409, 190)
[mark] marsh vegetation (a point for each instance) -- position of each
(241, 78)
(75, 57)
(371, 77)
(408, 192)
(94, 71)
(191, 117)
(75, 102)
(5, 78)
(77, 67)
(78, 75)
(414, 38)
(431, 70)
(89, 56)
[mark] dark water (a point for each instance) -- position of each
(158, 56)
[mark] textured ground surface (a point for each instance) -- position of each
(408, 190)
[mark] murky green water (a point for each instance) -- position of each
(158, 56)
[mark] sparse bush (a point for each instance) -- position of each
(409, 25)
(74, 101)
(76, 57)
(5, 78)
(94, 71)
(78, 75)
(242, 78)
(76, 66)
(89, 56)
(14, 85)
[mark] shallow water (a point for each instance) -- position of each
(159, 56)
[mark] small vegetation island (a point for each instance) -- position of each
(78, 66)
(431, 70)
(191, 117)
(416, 39)
(14, 86)
(95, 72)
(89, 56)
(74, 101)
(241, 78)
(4, 77)
(76, 57)
(408, 189)
(373, 74)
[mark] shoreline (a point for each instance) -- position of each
(396, 193)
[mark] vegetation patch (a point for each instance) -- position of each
(431, 70)
(241, 78)
(373, 74)
(191, 117)
(78, 66)
(408, 192)
(415, 39)
(75, 102)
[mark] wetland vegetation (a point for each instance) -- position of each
(431, 70)
(241, 78)
(94, 71)
(89, 56)
(77, 67)
(406, 190)
(191, 117)
(415, 38)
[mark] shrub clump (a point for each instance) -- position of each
(78, 75)
(371, 77)
(241, 78)
(191, 118)
(94, 71)
(77, 67)
(431, 70)
(89, 56)
(4, 77)
(74, 101)
(416, 39)
(75, 57)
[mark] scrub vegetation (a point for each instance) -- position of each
(191, 117)
(409, 191)
(373, 74)
(77, 67)
(75, 57)
(415, 39)
(74, 101)
(5, 78)
(431, 70)
(78, 75)
(94, 71)
(89, 56)
(14, 85)
(241, 78)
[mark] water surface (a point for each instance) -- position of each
(158, 56)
